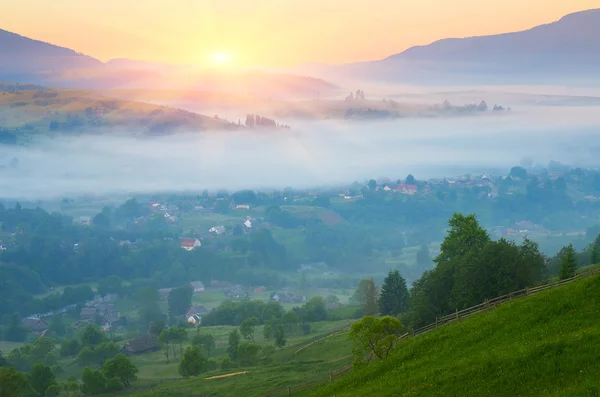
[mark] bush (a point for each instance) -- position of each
(227, 364)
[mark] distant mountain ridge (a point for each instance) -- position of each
(569, 46)
(26, 60)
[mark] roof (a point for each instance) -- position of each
(188, 242)
(197, 284)
(88, 312)
(197, 309)
(404, 186)
(34, 324)
(142, 343)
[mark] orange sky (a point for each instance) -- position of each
(268, 32)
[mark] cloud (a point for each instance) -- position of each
(312, 154)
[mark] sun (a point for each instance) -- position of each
(220, 58)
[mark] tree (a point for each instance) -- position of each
(314, 310)
(279, 336)
(206, 342)
(247, 328)
(164, 339)
(394, 295)
(372, 185)
(93, 382)
(12, 383)
(147, 298)
(410, 180)
(518, 172)
(15, 332)
(111, 285)
(156, 327)
(193, 362)
(268, 331)
(57, 326)
(374, 336)
(41, 377)
(122, 368)
(248, 354)
(233, 344)
(92, 336)
(180, 300)
(366, 296)
(595, 251)
(568, 263)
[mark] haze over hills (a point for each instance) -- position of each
(26, 60)
(566, 49)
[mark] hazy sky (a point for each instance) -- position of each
(268, 32)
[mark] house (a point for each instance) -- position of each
(248, 223)
(141, 344)
(242, 207)
(387, 188)
(197, 286)
(194, 319)
(197, 310)
(218, 230)
(406, 189)
(288, 297)
(189, 244)
(35, 325)
(259, 290)
(85, 220)
(88, 313)
(219, 284)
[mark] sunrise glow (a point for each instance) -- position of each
(220, 58)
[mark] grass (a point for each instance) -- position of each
(544, 345)
(288, 369)
(6, 346)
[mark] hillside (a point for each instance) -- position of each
(38, 110)
(544, 345)
(19, 54)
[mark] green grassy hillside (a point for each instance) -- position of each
(545, 345)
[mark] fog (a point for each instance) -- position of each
(311, 154)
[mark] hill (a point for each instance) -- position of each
(545, 345)
(32, 110)
(19, 54)
(567, 49)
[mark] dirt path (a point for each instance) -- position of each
(227, 375)
(339, 358)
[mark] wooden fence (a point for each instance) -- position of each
(457, 315)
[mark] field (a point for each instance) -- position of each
(288, 369)
(544, 345)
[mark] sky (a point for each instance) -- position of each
(275, 33)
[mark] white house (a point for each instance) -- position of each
(197, 286)
(189, 244)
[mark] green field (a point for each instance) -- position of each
(544, 345)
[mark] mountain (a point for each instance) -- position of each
(25, 60)
(20, 55)
(561, 49)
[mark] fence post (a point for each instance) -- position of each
(510, 297)
(436, 322)
(289, 391)
(457, 314)
(527, 290)
(330, 376)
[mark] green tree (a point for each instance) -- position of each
(193, 362)
(206, 342)
(111, 285)
(15, 332)
(248, 354)
(518, 172)
(93, 382)
(568, 263)
(122, 368)
(410, 180)
(164, 339)
(595, 251)
(13, 383)
(233, 344)
(393, 299)
(147, 299)
(374, 336)
(314, 310)
(279, 336)
(92, 336)
(180, 300)
(248, 327)
(53, 390)
(366, 296)
(268, 331)
(57, 326)
(41, 377)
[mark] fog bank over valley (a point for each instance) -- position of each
(311, 154)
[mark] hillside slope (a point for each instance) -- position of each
(544, 345)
